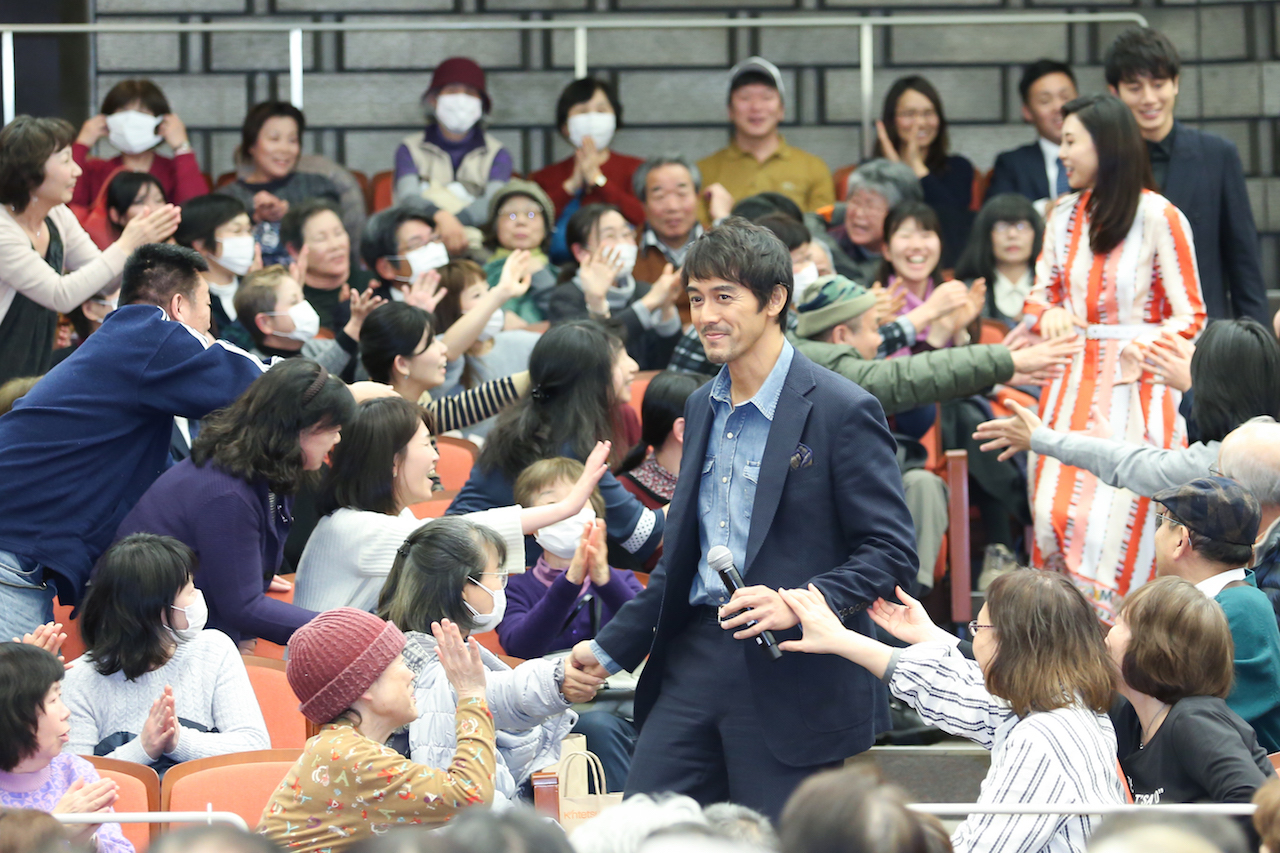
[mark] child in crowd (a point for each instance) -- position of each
(1002, 250)
(519, 218)
(154, 687)
(219, 228)
(126, 195)
(651, 467)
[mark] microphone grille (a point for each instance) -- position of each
(719, 558)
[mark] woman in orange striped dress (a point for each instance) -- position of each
(1119, 267)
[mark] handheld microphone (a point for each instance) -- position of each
(720, 560)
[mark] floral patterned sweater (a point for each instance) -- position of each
(346, 788)
(43, 789)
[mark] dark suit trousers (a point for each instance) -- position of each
(703, 737)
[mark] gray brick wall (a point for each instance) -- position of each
(362, 89)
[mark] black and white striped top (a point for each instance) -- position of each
(1054, 757)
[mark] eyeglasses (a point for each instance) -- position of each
(505, 576)
(1015, 227)
(974, 627)
(1165, 518)
(1215, 471)
(517, 215)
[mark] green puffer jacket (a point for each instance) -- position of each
(910, 381)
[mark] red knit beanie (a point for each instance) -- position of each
(336, 657)
(461, 71)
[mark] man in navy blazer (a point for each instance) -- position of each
(1034, 170)
(792, 468)
(1199, 172)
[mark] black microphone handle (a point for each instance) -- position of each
(733, 581)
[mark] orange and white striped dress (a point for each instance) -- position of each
(1103, 537)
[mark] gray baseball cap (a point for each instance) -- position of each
(756, 65)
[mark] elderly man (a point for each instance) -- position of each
(873, 189)
(667, 186)
(1250, 455)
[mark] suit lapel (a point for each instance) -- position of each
(789, 418)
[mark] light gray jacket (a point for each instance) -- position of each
(1140, 468)
(530, 715)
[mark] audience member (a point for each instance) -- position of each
(624, 828)
(520, 217)
(1036, 695)
(212, 838)
(850, 809)
(1035, 171)
(514, 830)
(457, 570)
(1178, 740)
(650, 468)
(1210, 525)
(1198, 172)
(31, 831)
(668, 186)
(347, 669)
(1149, 286)
(873, 190)
(34, 771)
(403, 249)
(325, 273)
(1002, 251)
(47, 261)
(271, 140)
(1223, 833)
(742, 825)
(580, 375)
(382, 468)
(1266, 820)
(1248, 456)
(230, 503)
(154, 687)
(455, 163)
(912, 129)
(126, 195)
(135, 118)
(218, 227)
(1155, 834)
(758, 159)
(79, 450)
(587, 115)
(14, 390)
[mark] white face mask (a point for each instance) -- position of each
(492, 326)
(306, 322)
(237, 253)
(626, 254)
(562, 537)
(429, 257)
(459, 112)
(808, 275)
(133, 131)
(599, 126)
(197, 613)
(488, 621)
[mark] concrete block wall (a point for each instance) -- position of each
(362, 89)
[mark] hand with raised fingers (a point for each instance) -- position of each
(460, 660)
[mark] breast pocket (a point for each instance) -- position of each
(750, 479)
(706, 491)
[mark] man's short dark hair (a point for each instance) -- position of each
(746, 78)
(1042, 68)
(156, 271)
(295, 221)
(792, 234)
(27, 673)
(203, 215)
(25, 144)
(745, 254)
(1141, 52)
(378, 239)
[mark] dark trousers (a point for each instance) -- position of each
(703, 738)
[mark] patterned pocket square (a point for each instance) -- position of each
(802, 458)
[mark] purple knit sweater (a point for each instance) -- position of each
(536, 613)
(42, 789)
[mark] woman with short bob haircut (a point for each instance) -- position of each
(1002, 249)
(382, 467)
(232, 501)
(35, 773)
(1036, 695)
(154, 687)
(1178, 740)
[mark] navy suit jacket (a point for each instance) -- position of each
(1206, 182)
(1020, 171)
(835, 517)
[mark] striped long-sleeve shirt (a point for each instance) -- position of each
(1054, 757)
(460, 411)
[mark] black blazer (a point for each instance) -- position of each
(1020, 171)
(1206, 182)
(833, 515)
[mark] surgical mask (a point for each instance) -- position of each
(429, 257)
(488, 621)
(237, 253)
(306, 322)
(197, 613)
(626, 254)
(599, 126)
(562, 537)
(458, 112)
(491, 327)
(133, 131)
(808, 275)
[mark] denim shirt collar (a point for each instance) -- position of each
(766, 398)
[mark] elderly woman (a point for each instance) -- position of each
(34, 771)
(135, 118)
(47, 261)
(520, 217)
(876, 187)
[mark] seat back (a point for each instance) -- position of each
(457, 458)
(138, 791)
(286, 726)
(73, 646)
(434, 508)
(241, 782)
(380, 190)
(639, 385)
(224, 179)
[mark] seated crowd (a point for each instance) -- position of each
(203, 391)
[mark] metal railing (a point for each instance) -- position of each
(156, 817)
(1101, 809)
(580, 26)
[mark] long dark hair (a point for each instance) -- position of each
(256, 437)
(570, 407)
(663, 404)
(134, 585)
(1235, 372)
(359, 475)
(578, 230)
(978, 260)
(1124, 167)
(925, 217)
(123, 191)
(390, 330)
(936, 157)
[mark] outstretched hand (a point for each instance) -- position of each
(907, 621)
(1011, 435)
(460, 660)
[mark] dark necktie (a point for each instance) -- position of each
(1063, 187)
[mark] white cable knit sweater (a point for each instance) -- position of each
(210, 688)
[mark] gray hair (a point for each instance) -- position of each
(894, 182)
(623, 828)
(1249, 458)
(740, 823)
(670, 158)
